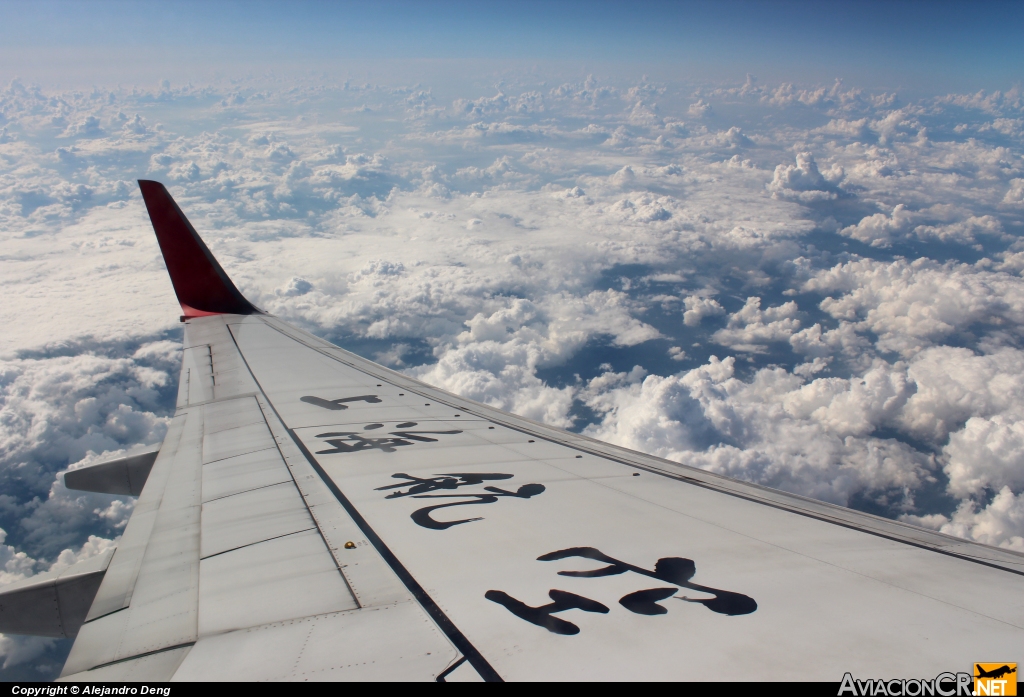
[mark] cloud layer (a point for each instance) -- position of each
(814, 288)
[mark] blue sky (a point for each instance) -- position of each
(913, 45)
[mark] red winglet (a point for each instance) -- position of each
(199, 282)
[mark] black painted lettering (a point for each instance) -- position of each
(543, 616)
(339, 404)
(676, 570)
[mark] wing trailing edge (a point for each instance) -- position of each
(199, 281)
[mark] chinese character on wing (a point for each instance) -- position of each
(675, 570)
(420, 488)
(356, 441)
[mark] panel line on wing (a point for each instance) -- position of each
(284, 459)
(93, 618)
(216, 400)
(442, 620)
(450, 669)
(239, 493)
(141, 655)
(228, 457)
(250, 544)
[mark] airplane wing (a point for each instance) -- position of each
(312, 515)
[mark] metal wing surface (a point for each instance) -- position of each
(312, 515)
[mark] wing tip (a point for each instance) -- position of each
(201, 285)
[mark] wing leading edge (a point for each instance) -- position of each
(313, 515)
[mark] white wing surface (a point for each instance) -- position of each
(314, 516)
